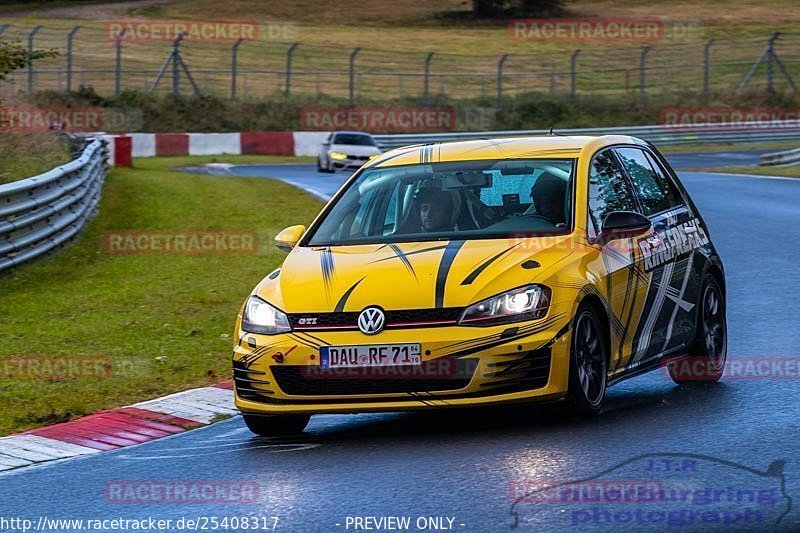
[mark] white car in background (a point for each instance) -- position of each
(347, 150)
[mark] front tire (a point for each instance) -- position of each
(276, 425)
(588, 363)
(709, 350)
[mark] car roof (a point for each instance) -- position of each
(545, 146)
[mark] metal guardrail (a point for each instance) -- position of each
(786, 158)
(40, 213)
(659, 135)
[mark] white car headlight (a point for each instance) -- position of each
(261, 317)
(523, 303)
(337, 155)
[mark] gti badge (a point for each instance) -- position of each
(371, 321)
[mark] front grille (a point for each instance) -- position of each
(399, 318)
(358, 157)
(430, 376)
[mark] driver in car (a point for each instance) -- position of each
(548, 195)
(435, 208)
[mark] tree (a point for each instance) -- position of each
(13, 56)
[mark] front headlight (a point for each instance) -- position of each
(524, 303)
(261, 317)
(337, 155)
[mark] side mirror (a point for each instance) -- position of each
(287, 238)
(624, 225)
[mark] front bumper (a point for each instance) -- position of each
(461, 366)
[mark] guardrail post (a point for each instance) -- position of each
(706, 64)
(573, 61)
(642, 64)
(118, 61)
(427, 77)
(70, 37)
(234, 56)
(289, 53)
(31, 35)
(500, 64)
(353, 55)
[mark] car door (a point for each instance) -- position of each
(667, 324)
(624, 280)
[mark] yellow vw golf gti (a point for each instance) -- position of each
(481, 273)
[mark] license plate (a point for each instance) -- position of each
(365, 355)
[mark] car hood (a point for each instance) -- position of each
(354, 149)
(418, 275)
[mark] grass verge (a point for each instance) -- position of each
(27, 154)
(789, 172)
(158, 322)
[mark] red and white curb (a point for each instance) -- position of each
(118, 428)
(285, 143)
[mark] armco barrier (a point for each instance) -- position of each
(40, 213)
(787, 158)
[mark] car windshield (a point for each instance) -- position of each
(460, 200)
(358, 139)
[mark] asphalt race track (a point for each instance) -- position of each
(467, 465)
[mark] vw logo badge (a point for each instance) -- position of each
(371, 321)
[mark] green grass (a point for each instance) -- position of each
(165, 321)
(789, 172)
(27, 154)
(719, 147)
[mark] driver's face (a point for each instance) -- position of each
(432, 216)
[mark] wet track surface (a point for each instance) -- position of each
(466, 464)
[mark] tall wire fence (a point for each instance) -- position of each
(274, 70)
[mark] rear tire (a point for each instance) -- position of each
(276, 425)
(708, 351)
(588, 363)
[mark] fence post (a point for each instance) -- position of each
(353, 55)
(31, 35)
(642, 78)
(70, 37)
(771, 62)
(706, 65)
(427, 77)
(289, 54)
(500, 64)
(573, 61)
(118, 63)
(234, 66)
(176, 74)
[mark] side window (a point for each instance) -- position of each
(609, 190)
(655, 190)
